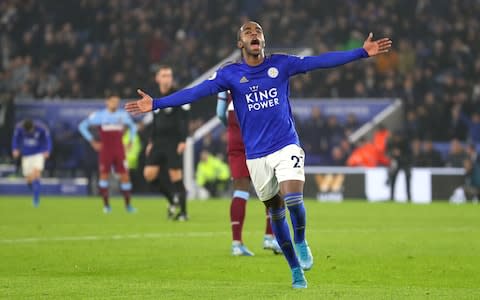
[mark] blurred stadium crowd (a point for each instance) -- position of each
(86, 48)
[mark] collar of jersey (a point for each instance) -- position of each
(264, 62)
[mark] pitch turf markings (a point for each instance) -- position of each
(208, 234)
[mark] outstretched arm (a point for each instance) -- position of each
(338, 58)
(208, 87)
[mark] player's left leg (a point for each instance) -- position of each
(176, 177)
(32, 167)
(103, 189)
(276, 207)
(126, 189)
(262, 172)
(291, 177)
(121, 167)
(33, 179)
(292, 191)
(175, 166)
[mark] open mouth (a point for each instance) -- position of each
(255, 44)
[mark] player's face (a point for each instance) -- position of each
(112, 103)
(252, 40)
(164, 78)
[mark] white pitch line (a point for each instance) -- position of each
(203, 234)
(112, 237)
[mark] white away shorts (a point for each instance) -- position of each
(268, 171)
(32, 162)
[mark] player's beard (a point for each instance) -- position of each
(255, 53)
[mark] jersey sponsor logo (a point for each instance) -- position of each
(272, 72)
(112, 127)
(32, 142)
(257, 100)
(243, 79)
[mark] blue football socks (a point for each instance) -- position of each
(282, 234)
(36, 192)
(294, 202)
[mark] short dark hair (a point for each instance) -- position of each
(28, 124)
(163, 67)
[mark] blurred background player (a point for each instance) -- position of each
(32, 141)
(241, 180)
(111, 122)
(166, 146)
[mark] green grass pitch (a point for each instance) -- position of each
(68, 249)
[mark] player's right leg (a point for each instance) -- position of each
(238, 206)
(262, 173)
(104, 169)
(32, 167)
(151, 173)
(241, 187)
(103, 189)
(176, 178)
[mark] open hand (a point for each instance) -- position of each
(97, 146)
(376, 47)
(181, 147)
(142, 105)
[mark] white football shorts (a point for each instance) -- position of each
(268, 171)
(32, 162)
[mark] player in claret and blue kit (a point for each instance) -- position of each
(259, 87)
(111, 122)
(32, 141)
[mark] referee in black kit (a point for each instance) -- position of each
(166, 146)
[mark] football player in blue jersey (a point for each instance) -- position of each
(32, 141)
(259, 86)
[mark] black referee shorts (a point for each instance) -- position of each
(164, 154)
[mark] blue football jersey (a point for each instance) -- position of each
(261, 96)
(36, 141)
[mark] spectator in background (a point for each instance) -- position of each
(364, 155)
(472, 174)
(473, 127)
(416, 147)
(380, 139)
(398, 149)
(429, 157)
(212, 174)
(457, 129)
(312, 131)
(457, 155)
(334, 131)
(338, 157)
(351, 124)
(412, 126)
